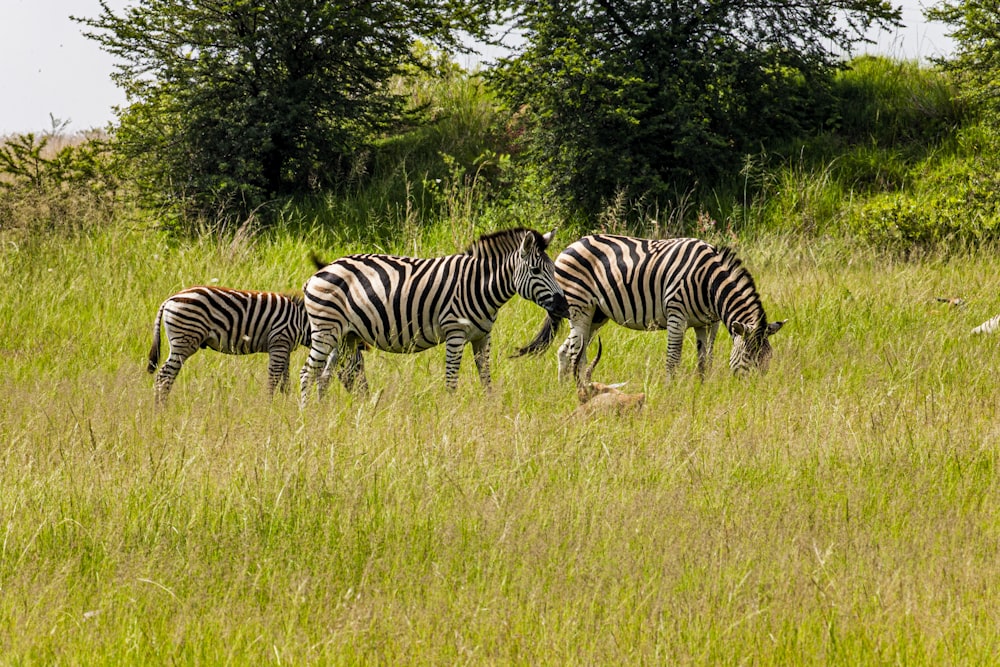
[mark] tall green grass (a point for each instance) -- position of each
(840, 510)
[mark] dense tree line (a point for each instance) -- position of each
(655, 96)
(234, 103)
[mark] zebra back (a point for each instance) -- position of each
(234, 321)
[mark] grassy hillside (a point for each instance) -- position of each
(842, 509)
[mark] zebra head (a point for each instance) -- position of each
(751, 346)
(534, 275)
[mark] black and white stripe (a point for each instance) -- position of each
(647, 285)
(229, 321)
(989, 326)
(406, 304)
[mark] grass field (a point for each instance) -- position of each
(843, 509)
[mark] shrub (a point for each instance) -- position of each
(57, 183)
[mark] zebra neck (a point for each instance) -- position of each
(495, 283)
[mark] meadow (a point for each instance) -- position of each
(842, 509)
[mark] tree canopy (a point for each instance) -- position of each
(976, 31)
(653, 96)
(233, 102)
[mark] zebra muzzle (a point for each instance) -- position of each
(557, 307)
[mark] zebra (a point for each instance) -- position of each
(989, 326)
(407, 304)
(232, 322)
(647, 285)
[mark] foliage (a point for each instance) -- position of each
(956, 204)
(232, 103)
(976, 64)
(894, 126)
(50, 182)
(895, 103)
(657, 97)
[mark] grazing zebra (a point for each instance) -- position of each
(229, 321)
(648, 285)
(406, 304)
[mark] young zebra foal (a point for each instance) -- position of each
(232, 322)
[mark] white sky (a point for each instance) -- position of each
(48, 67)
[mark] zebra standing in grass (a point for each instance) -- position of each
(406, 304)
(648, 285)
(229, 321)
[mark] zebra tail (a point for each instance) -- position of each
(154, 352)
(317, 262)
(543, 339)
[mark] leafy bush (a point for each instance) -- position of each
(236, 105)
(958, 206)
(51, 182)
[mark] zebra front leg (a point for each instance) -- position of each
(453, 347)
(676, 326)
(481, 353)
(705, 336)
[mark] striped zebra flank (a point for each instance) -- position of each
(650, 285)
(407, 304)
(989, 326)
(232, 322)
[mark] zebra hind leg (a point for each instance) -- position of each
(322, 356)
(568, 353)
(181, 349)
(277, 369)
(573, 353)
(166, 375)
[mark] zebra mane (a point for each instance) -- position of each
(504, 238)
(728, 258)
(296, 296)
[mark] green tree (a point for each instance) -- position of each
(233, 102)
(651, 97)
(976, 63)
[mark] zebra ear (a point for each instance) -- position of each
(527, 244)
(773, 327)
(548, 236)
(739, 329)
